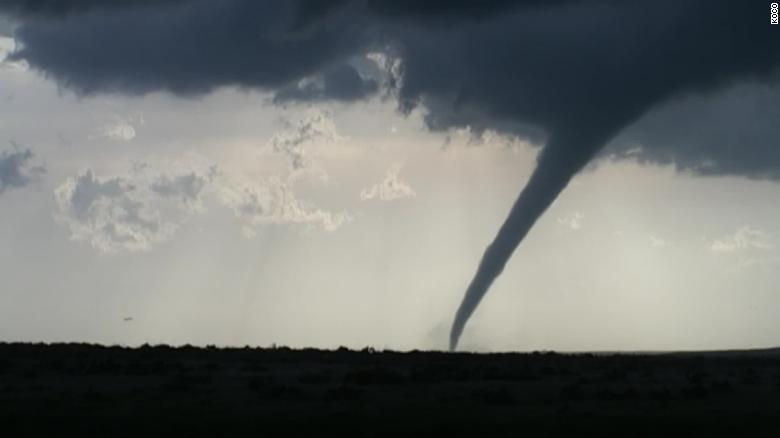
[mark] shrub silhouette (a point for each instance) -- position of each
(314, 377)
(343, 393)
(374, 376)
(500, 396)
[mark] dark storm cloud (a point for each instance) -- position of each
(572, 75)
(733, 132)
(6, 26)
(58, 8)
(189, 47)
(16, 169)
(528, 68)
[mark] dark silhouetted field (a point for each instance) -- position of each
(113, 391)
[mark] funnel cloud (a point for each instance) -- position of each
(555, 169)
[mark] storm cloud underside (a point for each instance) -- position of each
(571, 76)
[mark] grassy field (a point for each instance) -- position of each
(156, 390)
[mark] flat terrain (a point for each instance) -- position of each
(114, 391)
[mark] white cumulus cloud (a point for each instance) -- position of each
(272, 201)
(316, 125)
(7, 46)
(129, 212)
(112, 214)
(390, 188)
(658, 242)
(119, 129)
(745, 238)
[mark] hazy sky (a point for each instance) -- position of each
(302, 208)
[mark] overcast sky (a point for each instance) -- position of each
(332, 175)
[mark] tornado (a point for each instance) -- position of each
(565, 154)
